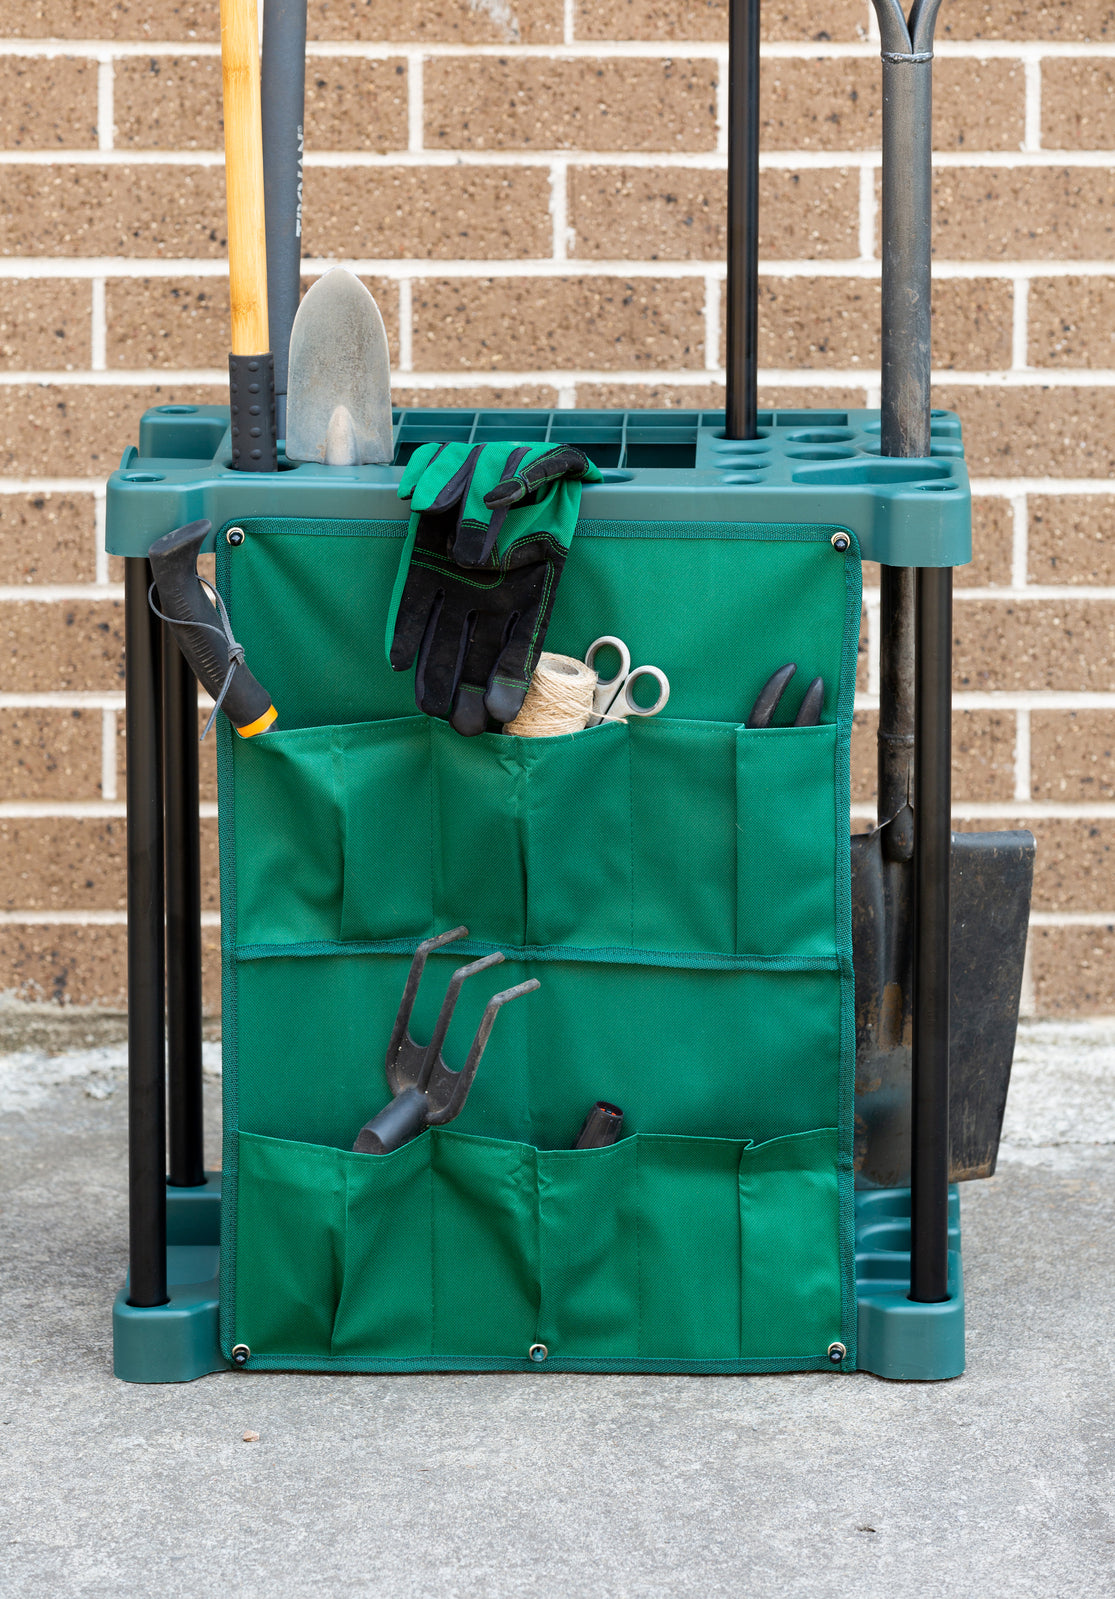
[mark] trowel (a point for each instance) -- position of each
(339, 378)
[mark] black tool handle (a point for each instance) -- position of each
(251, 395)
(283, 91)
(397, 1123)
(602, 1126)
(185, 603)
(743, 219)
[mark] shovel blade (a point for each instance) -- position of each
(992, 881)
(339, 383)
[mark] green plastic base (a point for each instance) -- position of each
(805, 466)
(897, 1338)
(178, 1341)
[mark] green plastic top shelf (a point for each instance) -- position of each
(806, 466)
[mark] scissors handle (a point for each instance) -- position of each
(630, 708)
(621, 649)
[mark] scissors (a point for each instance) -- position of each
(613, 698)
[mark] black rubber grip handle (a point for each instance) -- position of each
(251, 394)
(397, 1123)
(183, 600)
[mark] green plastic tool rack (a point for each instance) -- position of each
(667, 475)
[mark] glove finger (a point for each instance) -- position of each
(435, 485)
(512, 672)
(537, 468)
(415, 467)
(478, 527)
(421, 591)
(487, 638)
(440, 657)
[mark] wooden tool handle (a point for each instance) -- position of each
(247, 250)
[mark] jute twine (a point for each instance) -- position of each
(559, 699)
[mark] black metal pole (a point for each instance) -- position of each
(146, 1064)
(929, 1191)
(183, 918)
(743, 220)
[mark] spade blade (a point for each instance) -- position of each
(339, 386)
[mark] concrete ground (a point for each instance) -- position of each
(997, 1484)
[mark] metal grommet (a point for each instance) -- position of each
(241, 1354)
(236, 535)
(538, 1353)
(840, 542)
(836, 1353)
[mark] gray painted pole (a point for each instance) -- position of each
(283, 90)
(907, 57)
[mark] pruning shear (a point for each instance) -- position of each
(613, 699)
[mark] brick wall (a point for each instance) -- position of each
(535, 193)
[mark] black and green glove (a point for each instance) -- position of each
(490, 528)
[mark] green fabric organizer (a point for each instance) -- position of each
(680, 886)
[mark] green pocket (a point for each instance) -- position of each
(456, 1250)
(386, 1302)
(683, 835)
(480, 800)
(790, 1218)
(289, 833)
(786, 861)
(387, 793)
(578, 849)
(290, 1231)
(589, 1250)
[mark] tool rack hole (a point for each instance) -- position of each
(831, 452)
(176, 410)
(743, 477)
(144, 477)
(821, 436)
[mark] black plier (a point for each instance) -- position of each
(769, 696)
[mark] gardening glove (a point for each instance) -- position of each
(490, 528)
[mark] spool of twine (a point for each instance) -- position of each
(559, 699)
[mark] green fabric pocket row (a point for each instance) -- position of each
(658, 835)
(465, 1251)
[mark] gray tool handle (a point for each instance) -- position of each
(396, 1124)
(283, 91)
(907, 55)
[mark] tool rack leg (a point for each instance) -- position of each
(929, 1194)
(183, 918)
(146, 1065)
(743, 218)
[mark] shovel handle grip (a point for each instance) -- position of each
(198, 632)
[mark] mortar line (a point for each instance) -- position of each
(406, 324)
(108, 754)
(1031, 139)
(1022, 755)
(784, 377)
(866, 48)
(1020, 320)
(710, 159)
(569, 20)
(100, 554)
(712, 322)
(97, 325)
(853, 267)
(1027, 1000)
(106, 112)
(415, 107)
(867, 207)
(1020, 542)
(559, 203)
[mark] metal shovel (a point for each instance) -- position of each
(934, 1032)
(339, 377)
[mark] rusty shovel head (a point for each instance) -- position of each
(339, 382)
(992, 878)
